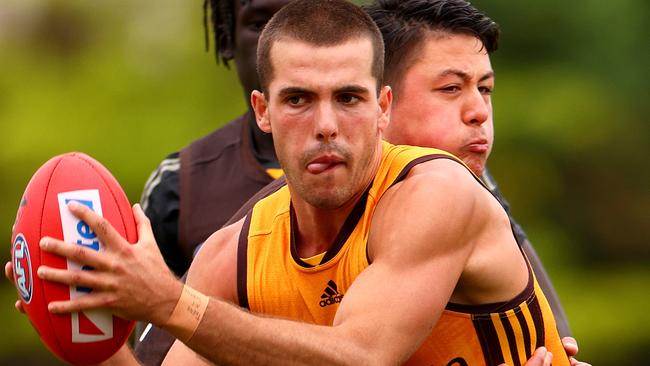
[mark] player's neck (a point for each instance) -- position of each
(316, 229)
(261, 142)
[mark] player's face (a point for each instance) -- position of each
(326, 118)
(444, 100)
(250, 18)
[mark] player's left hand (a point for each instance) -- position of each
(132, 280)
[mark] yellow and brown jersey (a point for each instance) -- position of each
(273, 280)
(492, 334)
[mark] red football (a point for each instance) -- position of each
(79, 338)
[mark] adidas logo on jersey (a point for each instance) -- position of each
(331, 295)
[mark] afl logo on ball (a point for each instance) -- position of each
(22, 268)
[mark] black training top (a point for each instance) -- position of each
(193, 193)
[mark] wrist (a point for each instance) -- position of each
(187, 314)
(164, 307)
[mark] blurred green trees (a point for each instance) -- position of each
(129, 82)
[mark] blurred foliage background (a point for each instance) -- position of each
(129, 81)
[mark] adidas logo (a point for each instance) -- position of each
(330, 295)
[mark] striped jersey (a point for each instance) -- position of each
(274, 280)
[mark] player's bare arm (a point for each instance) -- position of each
(214, 269)
(226, 334)
(486, 231)
(406, 315)
(214, 273)
(422, 240)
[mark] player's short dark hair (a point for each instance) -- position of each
(319, 23)
(222, 19)
(403, 24)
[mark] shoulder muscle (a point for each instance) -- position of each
(214, 269)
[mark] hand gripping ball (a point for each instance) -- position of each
(79, 338)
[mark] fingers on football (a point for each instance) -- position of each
(76, 253)
(104, 230)
(145, 233)
(83, 303)
(78, 278)
(19, 306)
(9, 271)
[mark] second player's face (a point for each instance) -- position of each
(326, 119)
(444, 100)
(250, 19)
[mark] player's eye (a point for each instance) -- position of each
(257, 26)
(295, 100)
(348, 98)
(486, 90)
(450, 88)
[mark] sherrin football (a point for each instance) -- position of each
(78, 338)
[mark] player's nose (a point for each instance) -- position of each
(325, 122)
(476, 108)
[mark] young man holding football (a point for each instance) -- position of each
(404, 25)
(431, 235)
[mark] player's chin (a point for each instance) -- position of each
(328, 198)
(475, 162)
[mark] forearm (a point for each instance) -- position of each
(231, 336)
(549, 291)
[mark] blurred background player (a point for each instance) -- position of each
(193, 192)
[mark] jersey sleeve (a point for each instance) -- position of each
(160, 202)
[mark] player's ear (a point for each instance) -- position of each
(261, 108)
(385, 101)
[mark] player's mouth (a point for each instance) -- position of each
(324, 163)
(478, 146)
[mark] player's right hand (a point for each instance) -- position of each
(9, 273)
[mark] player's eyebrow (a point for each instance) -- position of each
(293, 90)
(354, 89)
(465, 76)
(489, 75)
